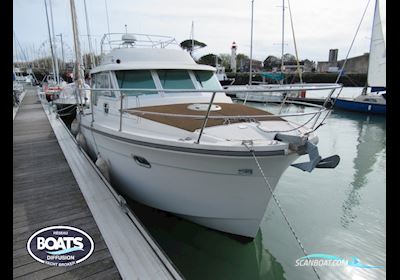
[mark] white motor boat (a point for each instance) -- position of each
(173, 140)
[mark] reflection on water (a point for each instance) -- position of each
(371, 140)
(201, 253)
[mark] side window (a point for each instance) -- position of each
(207, 80)
(100, 81)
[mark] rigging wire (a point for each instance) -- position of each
(279, 206)
(341, 70)
(295, 45)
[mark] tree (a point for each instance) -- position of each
(192, 45)
(209, 59)
(225, 60)
(289, 58)
(270, 62)
(241, 60)
(87, 59)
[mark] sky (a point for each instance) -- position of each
(319, 25)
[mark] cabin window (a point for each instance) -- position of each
(102, 81)
(139, 79)
(175, 79)
(207, 80)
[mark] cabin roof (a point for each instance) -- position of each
(148, 58)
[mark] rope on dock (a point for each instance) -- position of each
(279, 205)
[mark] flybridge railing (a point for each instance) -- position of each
(111, 40)
(300, 87)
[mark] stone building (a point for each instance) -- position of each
(257, 65)
(355, 65)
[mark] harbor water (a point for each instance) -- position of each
(339, 212)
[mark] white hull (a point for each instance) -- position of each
(203, 188)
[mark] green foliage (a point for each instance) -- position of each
(192, 45)
(225, 61)
(209, 59)
(270, 62)
(348, 80)
(289, 59)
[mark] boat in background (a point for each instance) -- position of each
(373, 101)
(274, 97)
(51, 88)
(67, 101)
(222, 77)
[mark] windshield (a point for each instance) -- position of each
(175, 79)
(207, 80)
(135, 79)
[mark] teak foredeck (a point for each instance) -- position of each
(228, 110)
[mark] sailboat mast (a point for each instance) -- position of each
(192, 37)
(15, 48)
(283, 34)
(92, 63)
(51, 43)
(77, 47)
(57, 75)
(251, 46)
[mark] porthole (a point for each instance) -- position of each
(142, 161)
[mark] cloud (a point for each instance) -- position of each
(319, 24)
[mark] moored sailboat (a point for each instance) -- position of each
(373, 101)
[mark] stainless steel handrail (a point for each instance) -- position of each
(297, 87)
(206, 117)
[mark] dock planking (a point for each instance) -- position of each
(45, 193)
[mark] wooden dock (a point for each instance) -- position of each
(48, 191)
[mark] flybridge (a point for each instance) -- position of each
(126, 40)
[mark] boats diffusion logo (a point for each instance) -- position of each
(329, 260)
(60, 246)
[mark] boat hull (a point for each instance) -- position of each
(67, 112)
(211, 190)
(362, 107)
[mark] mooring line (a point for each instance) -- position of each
(279, 206)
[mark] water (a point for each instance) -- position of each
(339, 212)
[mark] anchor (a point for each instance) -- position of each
(302, 146)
